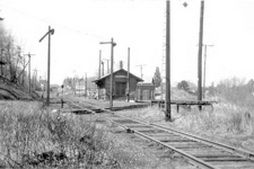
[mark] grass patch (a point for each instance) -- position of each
(227, 123)
(33, 136)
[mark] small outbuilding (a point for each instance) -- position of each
(119, 85)
(145, 91)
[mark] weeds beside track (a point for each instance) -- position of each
(199, 151)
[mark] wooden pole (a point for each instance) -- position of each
(102, 68)
(200, 53)
(113, 44)
(108, 66)
(48, 82)
(99, 75)
(168, 85)
(111, 73)
(128, 77)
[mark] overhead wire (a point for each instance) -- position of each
(53, 23)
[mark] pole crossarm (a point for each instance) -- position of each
(112, 43)
(50, 31)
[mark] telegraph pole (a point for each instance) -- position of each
(128, 77)
(168, 85)
(34, 79)
(102, 68)
(200, 53)
(104, 61)
(141, 70)
(107, 66)
(49, 33)
(99, 74)
(113, 44)
(29, 71)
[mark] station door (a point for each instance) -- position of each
(120, 89)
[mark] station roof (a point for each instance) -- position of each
(108, 75)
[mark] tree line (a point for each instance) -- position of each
(12, 63)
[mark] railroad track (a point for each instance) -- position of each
(200, 152)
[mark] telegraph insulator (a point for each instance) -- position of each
(52, 31)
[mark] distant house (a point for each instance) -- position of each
(119, 85)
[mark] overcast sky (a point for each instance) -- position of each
(139, 24)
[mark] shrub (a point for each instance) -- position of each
(237, 92)
(36, 137)
(183, 85)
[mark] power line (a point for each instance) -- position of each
(53, 23)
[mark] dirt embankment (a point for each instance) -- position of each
(12, 91)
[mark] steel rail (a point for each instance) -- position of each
(192, 159)
(195, 161)
(82, 107)
(91, 104)
(244, 153)
(247, 154)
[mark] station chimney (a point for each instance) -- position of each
(121, 65)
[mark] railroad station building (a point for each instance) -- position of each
(119, 85)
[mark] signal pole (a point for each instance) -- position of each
(168, 82)
(113, 44)
(200, 53)
(49, 33)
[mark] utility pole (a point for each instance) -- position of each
(128, 77)
(107, 66)
(49, 33)
(33, 84)
(141, 70)
(102, 68)
(205, 58)
(106, 60)
(113, 44)
(200, 53)
(29, 71)
(168, 82)
(99, 74)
